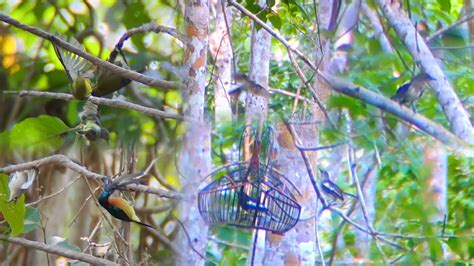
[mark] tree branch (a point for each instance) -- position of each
(57, 250)
(442, 31)
(423, 123)
(371, 97)
(99, 100)
(68, 163)
(449, 101)
(156, 83)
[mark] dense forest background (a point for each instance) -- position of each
(320, 74)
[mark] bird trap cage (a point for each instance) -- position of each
(250, 195)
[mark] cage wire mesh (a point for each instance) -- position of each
(250, 195)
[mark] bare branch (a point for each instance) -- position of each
(442, 31)
(373, 98)
(424, 124)
(57, 250)
(67, 162)
(156, 83)
(148, 27)
(457, 116)
(99, 100)
(307, 162)
(361, 228)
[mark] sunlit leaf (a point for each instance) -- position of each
(39, 135)
(14, 212)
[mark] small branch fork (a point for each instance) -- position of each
(76, 167)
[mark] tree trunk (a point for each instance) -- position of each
(222, 52)
(194, 162)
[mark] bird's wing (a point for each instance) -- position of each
(73, 64)
(128, 179)
(332, 188)
(402, 90)
(125, 207)
(32, 174)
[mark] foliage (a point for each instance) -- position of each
(14, 213)
(33, 128)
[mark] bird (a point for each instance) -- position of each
(81, 73)
(93, 131)
(116, 206)
(109, 82)
(331, 189)
(244, 83)
(77, 70)
(90, 126)
(20, 181)
(409, 92)
(250, 203)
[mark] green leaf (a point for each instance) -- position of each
(13, 212)
(32, 218)
(62, 243)
(436, 250)
(40, 135)
(270, 3)
(275, 20)
(136, 16)
(445, 5)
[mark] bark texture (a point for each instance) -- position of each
(194, 162)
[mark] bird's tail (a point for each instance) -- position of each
(144, 224)
(349, 194)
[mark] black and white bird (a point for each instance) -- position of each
(331, 189)
(20, 181)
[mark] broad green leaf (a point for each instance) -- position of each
(40, 135)
(270, 3)
(436, 250)
(14, 212)
(32, 218)
(63, 243)
(445, 5)
(275, 20)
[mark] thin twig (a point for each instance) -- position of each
(56, 250)
(311, 89)
(67, 162)
(361, 228)
(148, 27)
(133, 75)
(166, 241)
(370, 97)
(53, 194)
(444, 30)
(99, 100)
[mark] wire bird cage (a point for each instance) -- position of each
(250, 195)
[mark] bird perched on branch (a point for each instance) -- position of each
(244, 83)
(19, 182)
(331, 189)
(116, 206)
(80, 73)
(90, 125)
(413, 90)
